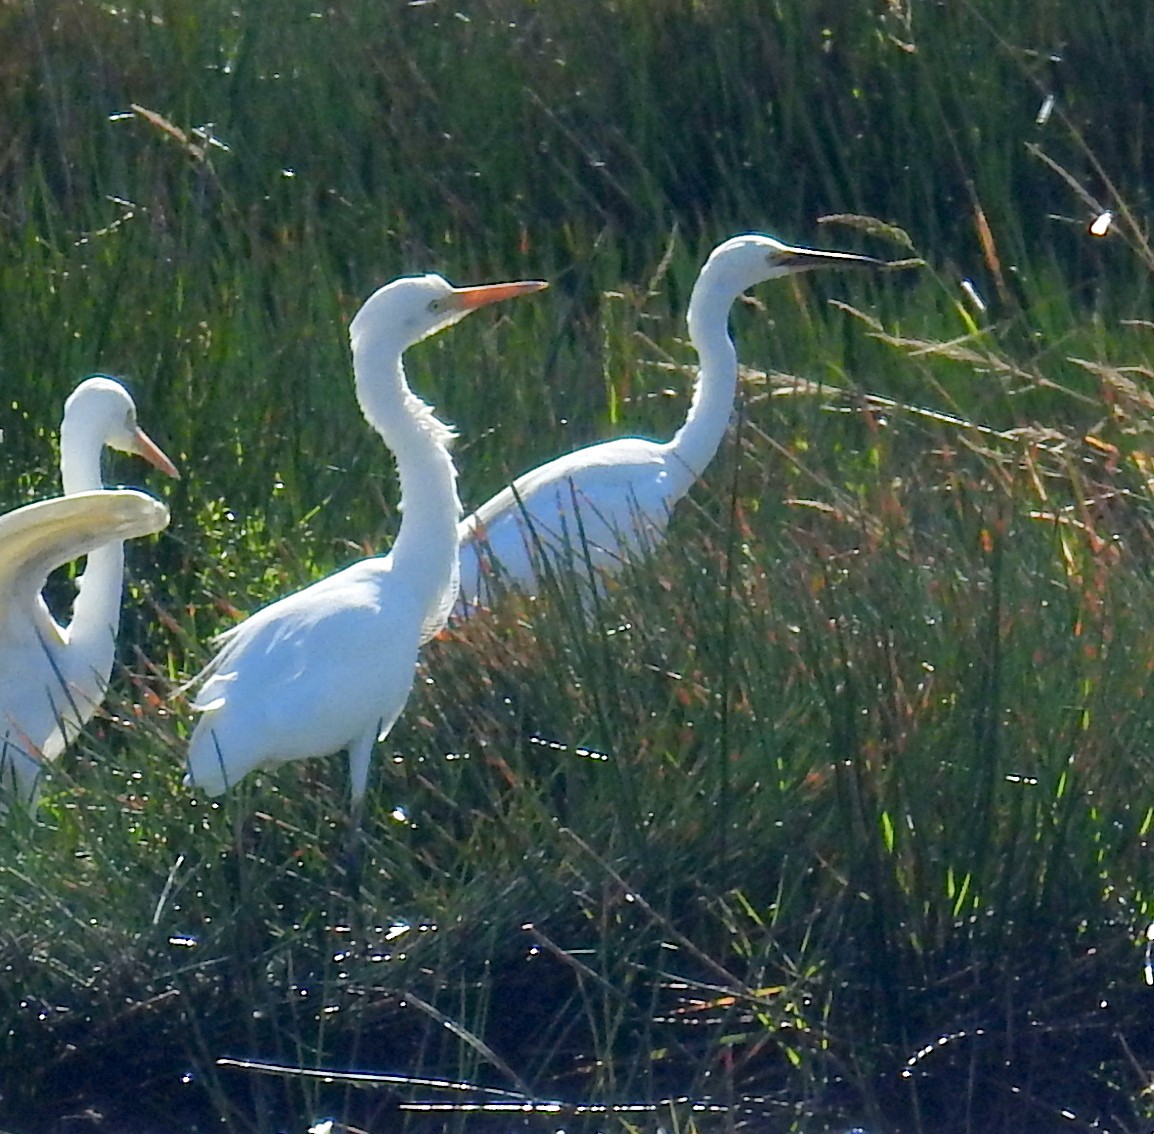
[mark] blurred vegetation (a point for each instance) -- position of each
(838, 811)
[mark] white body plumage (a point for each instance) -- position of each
(618, 494)
(52, 676)
(331, 667)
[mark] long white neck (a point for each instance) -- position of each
(696, 442)
(96, 609)
(425, 550)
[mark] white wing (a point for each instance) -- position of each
(39, 537)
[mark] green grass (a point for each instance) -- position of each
(841, 802)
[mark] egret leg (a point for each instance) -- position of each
(360, 760)
(352, 858)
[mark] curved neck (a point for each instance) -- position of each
(425, 549)
(96, 609)
(80, 452)
(696, 442)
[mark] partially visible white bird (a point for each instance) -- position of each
(53, 677)
(331, 667)
(612, 500)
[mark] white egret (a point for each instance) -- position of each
(616, 496)
(53, 677)
(331, 667)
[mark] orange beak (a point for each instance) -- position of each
(154, 454)
(470, 298)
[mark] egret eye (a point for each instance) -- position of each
(436, 305)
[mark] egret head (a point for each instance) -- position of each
(413, 307)
(752, 258)
(100, 408)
